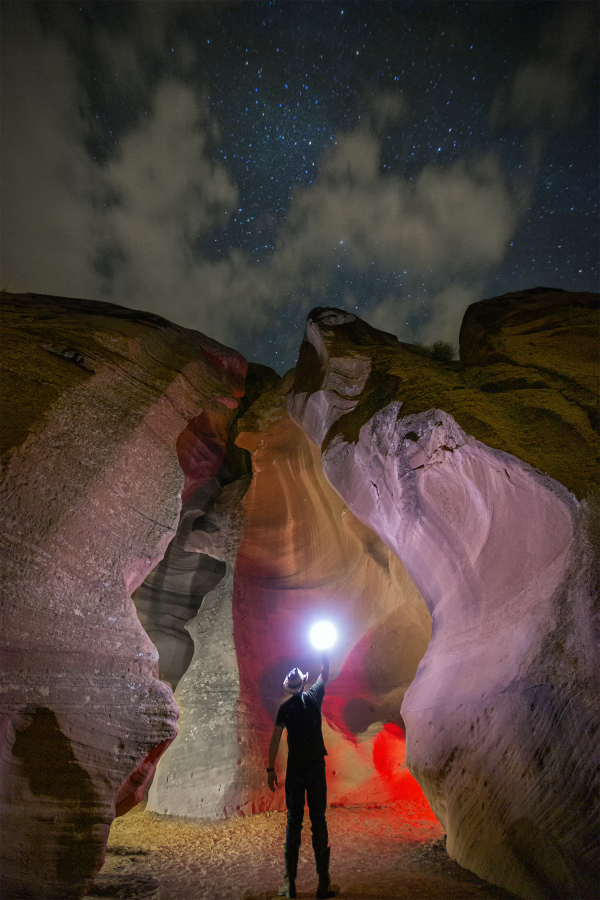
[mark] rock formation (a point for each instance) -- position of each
(105, 411)
(171, 595)
(443, 462)
(293, 551)
(401, 497)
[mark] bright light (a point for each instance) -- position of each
(323, 635)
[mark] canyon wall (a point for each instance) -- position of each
(171, 595)
(441, 514)
(293, 553)
(108, 414)
(443, 461)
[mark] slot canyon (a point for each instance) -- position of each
(174, 519)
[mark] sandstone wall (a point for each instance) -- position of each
(171, 595)
(502, 712)
(402, 498)
(102, 409)
(293, 553)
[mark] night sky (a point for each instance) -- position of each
(231, 165)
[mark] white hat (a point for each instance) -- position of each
(295, 681)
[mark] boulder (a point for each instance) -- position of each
(456, 467)
(108, 415)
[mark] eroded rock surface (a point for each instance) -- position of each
(193, 564)
(201, 774)
(502, 713)
(440, 523)
(172, 593)
(103, 408)
(304, 557)
(293, 552)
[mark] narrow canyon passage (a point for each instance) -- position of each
(379, 854)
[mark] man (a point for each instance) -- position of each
(305, 774)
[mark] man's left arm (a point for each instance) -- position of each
(324, 676)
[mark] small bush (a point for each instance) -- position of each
(443, 351)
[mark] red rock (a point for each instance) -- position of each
(136, 786)
(96, 398)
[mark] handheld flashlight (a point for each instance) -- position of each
(323, 635)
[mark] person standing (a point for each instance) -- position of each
(305, 775)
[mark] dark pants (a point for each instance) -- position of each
(310, 780)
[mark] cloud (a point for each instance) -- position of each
(447, 311)
(48, 185)
(355, 157)
(550, 90)
(442, 318)
(393, 313)
(440, 231)
(459, 217)
(168, 193)
(129, 227)
(129, 230)
(447, 223)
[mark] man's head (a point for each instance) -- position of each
(295, 681)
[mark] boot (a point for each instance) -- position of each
(326, 888)
(288, 888)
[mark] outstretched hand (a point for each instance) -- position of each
(272, 781)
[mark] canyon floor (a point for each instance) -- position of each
(376, 854)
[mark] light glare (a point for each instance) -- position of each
(323, 635)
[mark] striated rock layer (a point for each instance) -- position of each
(105, 411)
(172, 594)
(201, 773)
(293, 553)
(503, 713)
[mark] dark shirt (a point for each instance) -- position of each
(301, 716)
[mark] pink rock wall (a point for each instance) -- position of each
(98, 401)
(501, 714)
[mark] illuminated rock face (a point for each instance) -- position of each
(293, 552)
(304, 557)
(104, 408)
(502, 713)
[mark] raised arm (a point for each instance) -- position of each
(325, 667)
(273, 748)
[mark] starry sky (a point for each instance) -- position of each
(230, 165)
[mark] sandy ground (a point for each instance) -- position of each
(376, 854)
